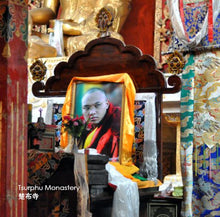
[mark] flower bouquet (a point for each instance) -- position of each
(75, 128)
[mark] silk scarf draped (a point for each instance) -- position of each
(128, 110)
(176, 10)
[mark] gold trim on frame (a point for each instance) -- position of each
(121, 153)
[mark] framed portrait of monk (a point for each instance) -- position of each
(100, 104)
(106, 104)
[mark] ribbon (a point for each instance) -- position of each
(210, 21)
(183, 19)
(210, 164)
(217, 160)
(177, 18)
(196, 162)
(204, 157)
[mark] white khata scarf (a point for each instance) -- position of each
(178, 25)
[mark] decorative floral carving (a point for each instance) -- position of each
(163, 33)
(175, 63)
(38, 70)
(104, 20)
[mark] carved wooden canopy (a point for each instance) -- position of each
(108, 56)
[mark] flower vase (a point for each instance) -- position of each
(75, 145)
(72, 146)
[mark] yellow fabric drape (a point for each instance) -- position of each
(127, 110)
(127, 172)
(89, 138)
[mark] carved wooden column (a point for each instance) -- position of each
(173, 119)
(13, 107)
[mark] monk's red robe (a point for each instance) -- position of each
(106, 138)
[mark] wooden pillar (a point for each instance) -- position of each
(138, 29)
(173, 119)
(13, 107)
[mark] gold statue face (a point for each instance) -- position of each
(80, 18)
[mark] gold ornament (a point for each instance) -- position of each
(175, 63)
(38, 70)
(104, 20)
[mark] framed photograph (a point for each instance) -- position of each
(48, 141)
(41, 139)
(101, 105)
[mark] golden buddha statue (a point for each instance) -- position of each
(78, 22)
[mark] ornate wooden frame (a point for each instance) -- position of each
(105, 56)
